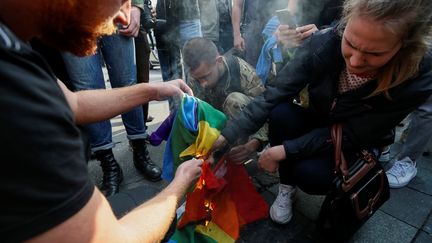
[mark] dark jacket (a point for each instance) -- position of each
(319, 62)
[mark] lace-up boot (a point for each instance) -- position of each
(143, 162)
(112, 173)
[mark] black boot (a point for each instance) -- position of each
(143, 162)
(112, 173)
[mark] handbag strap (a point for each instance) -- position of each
(341, 164)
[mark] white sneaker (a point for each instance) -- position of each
(281, 209)
(385, 155)
(401, 173)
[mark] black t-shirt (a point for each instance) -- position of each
(43, 175)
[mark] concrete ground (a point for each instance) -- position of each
(406, 217)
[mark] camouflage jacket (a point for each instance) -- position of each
(250, 85)
(247, 83)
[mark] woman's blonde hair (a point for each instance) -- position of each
(410, 19)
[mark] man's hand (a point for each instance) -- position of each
(132, 29)
(240, 154)
(269, 159)
(189, 171)
(239, 42)
(171, 88)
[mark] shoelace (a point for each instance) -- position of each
(281, 201)
(399, 168)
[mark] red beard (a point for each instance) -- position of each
(68, 30)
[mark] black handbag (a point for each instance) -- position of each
(358, 191)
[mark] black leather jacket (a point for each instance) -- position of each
(319, 62)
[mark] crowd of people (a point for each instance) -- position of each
(365, 64)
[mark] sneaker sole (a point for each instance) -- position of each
(277, 222)
(397, 186)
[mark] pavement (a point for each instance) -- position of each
(405, 217)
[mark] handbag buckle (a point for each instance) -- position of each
(370, 206)
(345, 179)
(367, 156)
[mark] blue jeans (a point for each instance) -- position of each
(171, 68)
(86, 74)
(170, 63)
(170, 58)
(189, 29)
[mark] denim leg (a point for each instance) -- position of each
(169, 60)
(253, 42)
(419, 132)
(86, 74)
(164, 62)
(119, 55)
(189, 29)
(170, 64)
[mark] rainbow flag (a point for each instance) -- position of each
(196, 126)
(224, 198)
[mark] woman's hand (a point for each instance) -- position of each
(269, 159)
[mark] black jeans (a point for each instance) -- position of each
(312, 174)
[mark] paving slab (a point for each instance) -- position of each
(384, 228)
(423, 181)
(265, 231)
(423, 237)
(427, 227)
(409, 206)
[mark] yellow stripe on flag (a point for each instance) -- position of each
(204, 141)
(214, 232)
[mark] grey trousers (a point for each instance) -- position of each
(419, 134)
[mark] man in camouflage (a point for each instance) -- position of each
(226, 82)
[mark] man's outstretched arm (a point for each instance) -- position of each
(97, 105)
(95, 222)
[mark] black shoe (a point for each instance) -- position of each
(143, 162)
(112, 173)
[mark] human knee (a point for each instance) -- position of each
(235, 103)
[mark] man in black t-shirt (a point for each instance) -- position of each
(47, 195)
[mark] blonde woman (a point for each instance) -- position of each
(368, 73)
